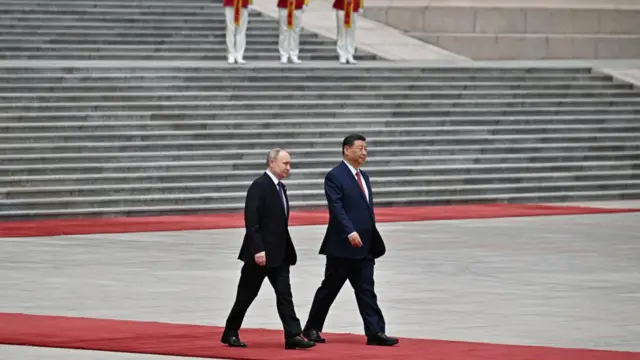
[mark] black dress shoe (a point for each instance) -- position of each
(313, 335)
(380, 339)
(233, 341)
(298, 342)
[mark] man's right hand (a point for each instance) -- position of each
(261, 258)
(354, 239)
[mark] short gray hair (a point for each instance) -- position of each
(273, 154)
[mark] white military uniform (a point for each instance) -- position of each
(289, 37)
(236, 31)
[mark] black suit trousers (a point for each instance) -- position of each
(360, 275)
(251, 279)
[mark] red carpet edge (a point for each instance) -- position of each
(203, 341)
(55, 227)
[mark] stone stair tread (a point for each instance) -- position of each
(143, 48)
(434, 164)
(529, 197)
(269, 142)
(297, 73)
(461, 94)
(55, 11)
(558, 120)
(219, 138)
(175, 164)
(46, 155)
(141, 87)
(333, 101)
(252, 173)
(292, 182)
(47, 68)
(118, 33)
(240, 195)
(290, 132)
(152, 55)
(224, 115)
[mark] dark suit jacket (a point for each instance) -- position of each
(349, 211)
(267, 225)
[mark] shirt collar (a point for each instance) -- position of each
(353, 170)
(273, 177)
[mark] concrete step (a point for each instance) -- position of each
(199, 15)
(113, 3)
(545, 46)
(184, 49)
(106, 70)
(157, 115)
(231, 200)
(126, 97)
(13, 155)
(319, 132)
(176, 41)
(99, 153)
(108, 3)
(53, 10)
(172, 165)
(471, 162)
(63, 89)
(176, 26)
(487, 172)
(444, 182)
(295, 75)
(213, 206)
(294, 144)
(150, 56)
(253, 33)
(206, 19)
(307, 124)
(312, 105)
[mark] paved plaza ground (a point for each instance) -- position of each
(564, 281)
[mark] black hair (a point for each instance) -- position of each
(349, 140)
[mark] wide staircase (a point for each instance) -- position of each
(141, 138)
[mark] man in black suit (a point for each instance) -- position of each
(351, 244)
(267, 251)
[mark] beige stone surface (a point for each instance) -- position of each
(536, 46)
(516, 29)
(628, 75)
(577, 4)
(371, 36)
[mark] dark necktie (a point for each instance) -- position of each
(281, 191)
(359, 177)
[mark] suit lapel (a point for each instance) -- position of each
(354, 182)
(274, 194)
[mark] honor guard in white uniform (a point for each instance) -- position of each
(346, 17)
(237, 16)
(290, 16)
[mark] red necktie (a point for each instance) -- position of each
(361, 184)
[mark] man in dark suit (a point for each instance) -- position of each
(351, 244)
(267, 251)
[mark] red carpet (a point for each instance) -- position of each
(203, 341)
(298, 218)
